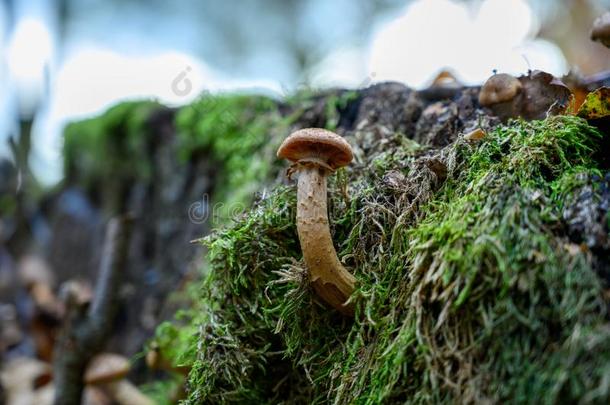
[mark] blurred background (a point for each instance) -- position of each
(63, 60)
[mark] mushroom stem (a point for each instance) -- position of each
(125, 393)
(329, 278)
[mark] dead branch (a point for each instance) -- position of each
(85, 330)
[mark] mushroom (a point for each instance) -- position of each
(21, 377)
(445, 79)
(601, 29)
(107, 371)
(91, 396)
(500, 93)
(44, 395)
(47, 313)
(38, 279)
(445, 85)
(315, 154)
(95, 396)
(76, 293)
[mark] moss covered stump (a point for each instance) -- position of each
(482, 263)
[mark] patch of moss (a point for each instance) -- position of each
(240, 133)
(8, 205)
(466, 289)
(162, 392)
(328, 105)
(336, 103)
(120, 134)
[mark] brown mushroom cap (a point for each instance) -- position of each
(76, 292)
(499, 88)
(33, 269)
(316, 144)
(105, 368)
(601, 29)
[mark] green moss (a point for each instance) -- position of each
(327, 104)
(8, 205)
(120, 134)
(176, 336)
(240, 133)
(336, 103)
(466, 290)
(162, 391)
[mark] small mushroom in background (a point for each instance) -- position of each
(91, 396)
(43, 327)
(76, 293)
(22, 377)
(445, 78)
(532, 97)
(95, 396)
(601, 29)
(34, 269)
(444, 86)
(44, 395)
(37, 278)
(107, 371)
(501, 93)
(315, 154)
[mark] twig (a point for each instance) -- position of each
(85, 331)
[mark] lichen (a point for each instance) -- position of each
(468, 288)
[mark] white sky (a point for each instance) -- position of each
(426, 37)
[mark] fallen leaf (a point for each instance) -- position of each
(543, 95)
(596, 105)
(475, 135)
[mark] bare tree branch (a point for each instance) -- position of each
(85, 332)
